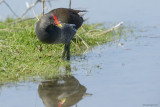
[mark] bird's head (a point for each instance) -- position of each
(54, 20)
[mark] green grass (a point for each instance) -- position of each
(23, 56)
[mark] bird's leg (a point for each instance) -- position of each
(66, 49)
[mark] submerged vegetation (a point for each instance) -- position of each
(23, 55)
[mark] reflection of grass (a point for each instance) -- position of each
(22, 55)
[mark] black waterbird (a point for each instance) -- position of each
(59, 26)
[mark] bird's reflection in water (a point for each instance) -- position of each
(63, 91)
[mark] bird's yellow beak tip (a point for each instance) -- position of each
(59, 25)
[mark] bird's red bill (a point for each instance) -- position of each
(56, 21)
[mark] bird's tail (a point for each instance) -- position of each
(82, 12)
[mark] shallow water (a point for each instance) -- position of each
(109, 75)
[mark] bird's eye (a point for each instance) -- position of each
(50, 17)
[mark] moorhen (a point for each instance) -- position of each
(59, 26)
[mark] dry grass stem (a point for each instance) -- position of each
(111, 29)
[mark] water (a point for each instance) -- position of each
(108, 76)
